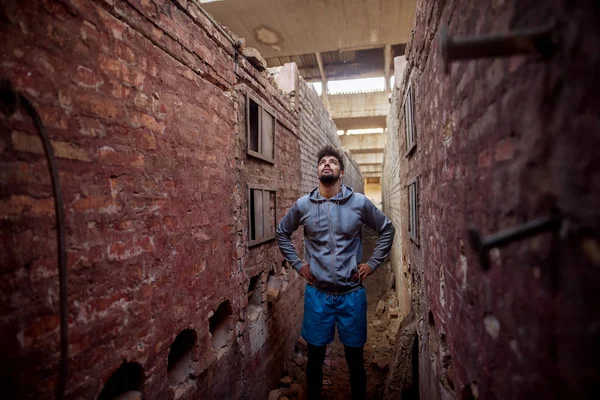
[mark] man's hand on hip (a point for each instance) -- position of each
(363, 271)
(306, 274)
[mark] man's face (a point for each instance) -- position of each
(329, 169)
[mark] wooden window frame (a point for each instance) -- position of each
(413, 210)
(263, 239)
(408, 108)
(261, 107)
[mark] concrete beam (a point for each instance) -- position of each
(366, 151)
(371, 174)
(361, 122)
(375, 142)
(348, 70)
(371, 168)
(357, 105)
(371, 158)
(370, 164)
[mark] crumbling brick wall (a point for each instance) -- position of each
(392, 192)
(272, 325)
(501, 142)
(317, 130)
(144, 102)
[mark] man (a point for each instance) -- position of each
(332, 216)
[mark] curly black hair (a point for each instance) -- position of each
(331, 151)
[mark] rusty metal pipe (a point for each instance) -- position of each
(482, 245)
(532, 41)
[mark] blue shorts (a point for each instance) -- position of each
(322, 312)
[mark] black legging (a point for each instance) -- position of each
(356, 365)
(314, 371)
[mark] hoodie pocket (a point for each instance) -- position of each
(349, 268)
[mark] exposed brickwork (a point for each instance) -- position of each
(144, 102)
(393, 192)
(500, 142)
(270, 335)
(317, 129)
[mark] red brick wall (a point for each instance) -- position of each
(144, 103)
(501, 142)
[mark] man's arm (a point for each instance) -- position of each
(284, 231)
(377, 221)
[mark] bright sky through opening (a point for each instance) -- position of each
(364, 131)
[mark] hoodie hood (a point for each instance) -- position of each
(341, 197)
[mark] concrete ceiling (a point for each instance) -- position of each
(293, 27)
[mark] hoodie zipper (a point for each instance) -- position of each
(335, 285)
(320, 200)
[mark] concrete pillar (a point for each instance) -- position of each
(325, 96)
(387, 63)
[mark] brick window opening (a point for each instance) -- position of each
(179, 363)
(221, 325)
(262, 216)
(260, 130)
(467, 393)
(409, 121)
(126, 382)
(413, 211)
(412, 392)
(255, 290)
(273, 287)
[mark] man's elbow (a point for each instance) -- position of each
(389, 230)
(278, 231)
(280, 235)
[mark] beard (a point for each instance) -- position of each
(329, 178)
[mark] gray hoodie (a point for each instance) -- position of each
(333, 237)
